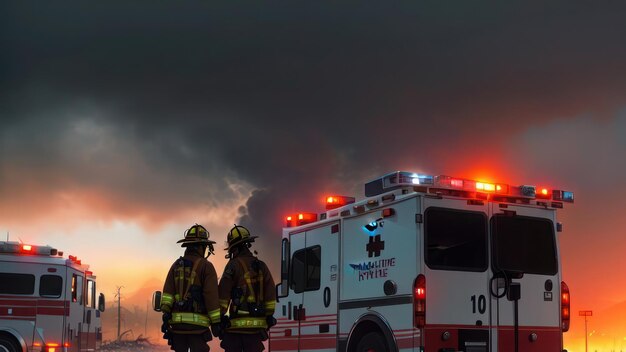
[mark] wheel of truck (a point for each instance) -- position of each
(8, 344)
(372, 342)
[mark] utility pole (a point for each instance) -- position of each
(585, 313)
(119, 310)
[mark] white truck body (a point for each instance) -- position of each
(47, 302)
(428, 266)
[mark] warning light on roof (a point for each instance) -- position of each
(528, 191)
(27, 248)
(485, 187)
(563, 196)
(417, 179)
(543, 193)
(455, 182)
(300, 219)
(502, 188)
(447, 181)
(333, 202)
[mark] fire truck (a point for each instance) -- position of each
(47, 302)
(425, 263)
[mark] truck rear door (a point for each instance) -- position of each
(457, 275)
(525, 259)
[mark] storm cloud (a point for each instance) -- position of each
(153, 108)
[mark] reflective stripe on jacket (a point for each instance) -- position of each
(206, 278)
(240, 274)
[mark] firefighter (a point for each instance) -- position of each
(190, 301)
(246, 292)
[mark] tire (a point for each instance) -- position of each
(372, 342)
(8, 344)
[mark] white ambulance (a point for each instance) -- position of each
(47, 302)
(425, 263)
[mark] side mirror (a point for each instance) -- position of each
(89, 316)
(101, 302)
(156, 301)
(282, 289)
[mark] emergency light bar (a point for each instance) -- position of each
(396, 180)
(333, 202)
(401, 179)
(300, 219)
(20, 248)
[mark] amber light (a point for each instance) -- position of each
(486, 187)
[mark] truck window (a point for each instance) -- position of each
(17, 284)
(50, 286)
(76, 287)
(455, 239)
(91, 294)
(524, 244)
(305, 269)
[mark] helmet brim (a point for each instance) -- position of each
(188, 241)
(248, 239)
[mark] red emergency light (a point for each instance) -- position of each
(499, 188)
(565, 307)
(300, 219)
(27, 248)
(419, 301)
(333, 202)
(543, 193)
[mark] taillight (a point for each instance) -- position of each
(419, 301)
(565, 311)
(51, 347)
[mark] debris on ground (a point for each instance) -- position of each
(139, 344)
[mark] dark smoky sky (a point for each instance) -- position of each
(156, 106)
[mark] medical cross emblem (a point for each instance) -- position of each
(375, 246)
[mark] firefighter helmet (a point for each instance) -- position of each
(196, 234)
(238, 235)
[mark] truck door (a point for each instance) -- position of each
(318, 324)
(525, 268)
(285, 335)
(457, 275)
(74, 322)
(91, 317)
